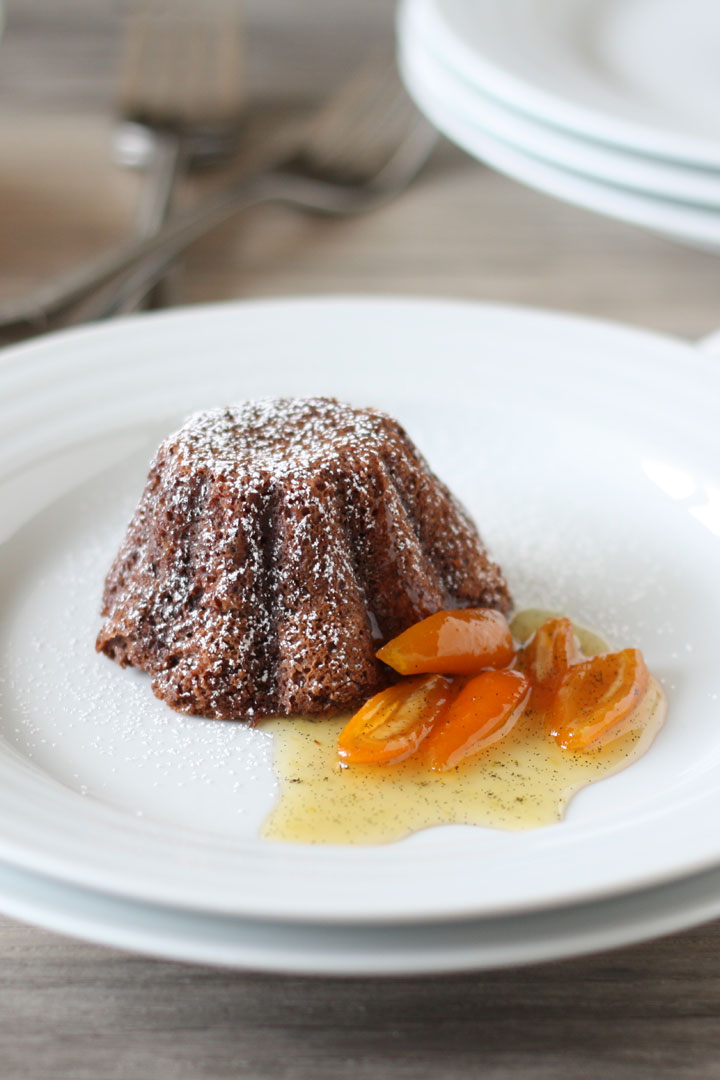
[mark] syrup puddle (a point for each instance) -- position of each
(522, 782)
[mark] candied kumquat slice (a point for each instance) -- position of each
(547, 657)
(462, 642)
(595, 696)
(549, 653)
(485, 711)
(390, 726)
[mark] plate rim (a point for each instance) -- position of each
(688, 223)
(534, 100)
(596, 927)
(567, 145)
(141, 322)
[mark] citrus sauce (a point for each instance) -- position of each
(523, 781)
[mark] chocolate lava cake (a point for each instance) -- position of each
(276, 546)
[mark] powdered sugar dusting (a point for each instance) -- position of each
(275, 542)
(96, 729)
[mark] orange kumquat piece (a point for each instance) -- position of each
(485, 711)
(392, 724)
(547, 657)
(595, 696)
(462, 642)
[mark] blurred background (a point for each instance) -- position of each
(460, 230)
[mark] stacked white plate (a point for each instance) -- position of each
(612, 106)
(588, 453)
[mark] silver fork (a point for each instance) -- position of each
(180, 97)
(357, 152)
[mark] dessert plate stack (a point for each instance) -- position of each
(126, 823)
(612, 106)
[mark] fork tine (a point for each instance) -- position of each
(376, 135)
(183, 63)
(356, 136)
(230, 60)
(364, 92)
(182, 91)
(214, 87)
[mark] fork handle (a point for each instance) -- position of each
(154, 209)
(156, 191)
(39, 310)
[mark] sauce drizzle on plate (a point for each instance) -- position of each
(523, 782)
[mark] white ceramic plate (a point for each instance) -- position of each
(588, 454)
(569, 150)
(436, 94)
(356, 950)
(641, 74)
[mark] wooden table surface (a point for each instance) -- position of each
(72, 1010)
